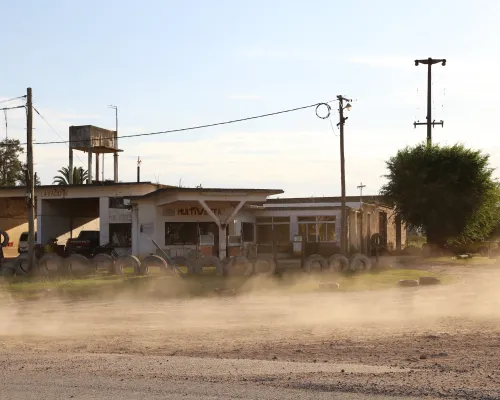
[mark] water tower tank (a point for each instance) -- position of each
(93, 140)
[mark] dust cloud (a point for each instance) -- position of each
(129, 323)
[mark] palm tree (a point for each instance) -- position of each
(80, 176)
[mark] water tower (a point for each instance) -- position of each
(93, 140)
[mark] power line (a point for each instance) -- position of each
(14, 98)
(53, 129)
(11, 108)
(206, 125)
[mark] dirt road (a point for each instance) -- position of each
(111, 377)
(434, 341)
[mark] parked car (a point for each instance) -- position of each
(23, 243)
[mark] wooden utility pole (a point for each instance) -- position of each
(30, 183)
(360, 187)
(430, 123)
(343, 226)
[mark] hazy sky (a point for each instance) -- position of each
(172, 64)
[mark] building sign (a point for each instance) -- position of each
(189, 211)
(148, 228)
(54, 192)
(118, 216)
(197, 211)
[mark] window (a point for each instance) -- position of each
(247, 231)
(267, 227)
(181, 233)
(318, 229)
(120, 235)
(118, 202)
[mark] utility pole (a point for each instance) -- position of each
(343, 226)
(139, 169)
(430, 123)
(30, 182)
(361, 187)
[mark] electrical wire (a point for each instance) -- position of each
(14, 98)
(11, 108)
(53, 129)
(204, 126)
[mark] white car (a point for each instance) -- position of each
(23, 243)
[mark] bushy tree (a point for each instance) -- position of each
(448, 192)
(79, 176)
(11, 167)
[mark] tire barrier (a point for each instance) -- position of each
(338, 263)
(154, 260)
(210, 261)
(360, 263)
(5, 236)
(190, 263)
(264, 265)
(408, 283)
(104, 261)
(128, 261)
(329, 286)
(313, 260)
(429, 280)
(238, 266)
(47, 260)
(20, 265)
(78, 265)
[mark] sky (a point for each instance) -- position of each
(172, 64)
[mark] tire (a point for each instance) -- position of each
(239, 266)
(154, 260)
(52, 258)
(5, 241)
(20, 265)
(338, 263)
(360, 262)
(124, 261)
(268, 261)
(210, 261)
(78, 265)
(429, 280)
(184, 261)
(408, 283)
(104, 259)
(313, 259)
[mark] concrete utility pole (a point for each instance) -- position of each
(115, 156)
(430, 123)
(30, 182)
(343, 226)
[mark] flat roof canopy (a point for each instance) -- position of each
(175, 194)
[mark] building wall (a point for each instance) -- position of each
(13, 220)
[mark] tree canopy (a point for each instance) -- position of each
(79, 176)
(448, 192)
(11, 167)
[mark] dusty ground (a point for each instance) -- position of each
(440, 341)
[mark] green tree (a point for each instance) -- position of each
(11, 167)
(79, 176)
(448, 192)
